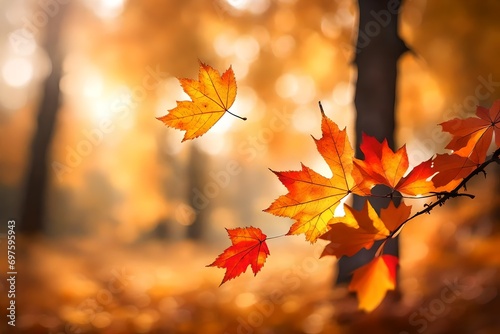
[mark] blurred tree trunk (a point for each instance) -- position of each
(378, 48)
(33, 205)
(198, 199)
(495, 210)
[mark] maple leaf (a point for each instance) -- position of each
(384, 166)
(212, 95)
(452, 168)
(372, 281)
(471, 137)
(312, 198)
(248, 248)
(359, 229)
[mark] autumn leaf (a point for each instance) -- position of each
(312, 198)
(393, 215)
(248, 248)
(372, 281)
(384, 166)
(212, 95)
(359, 229)
(471, 137)
(452, 168)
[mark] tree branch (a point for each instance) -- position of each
(454, 193)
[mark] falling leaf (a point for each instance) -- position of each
(312, 198)
(384, 166)
(248, 248)
(212, 95)
(359, 229)
(372, 281)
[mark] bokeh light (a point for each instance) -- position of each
(17, 72)
(135, 215)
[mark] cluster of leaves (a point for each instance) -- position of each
(312, 199)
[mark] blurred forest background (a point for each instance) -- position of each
(131, 216)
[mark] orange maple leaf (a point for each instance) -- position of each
(372, 281)
(313, 198)
(471, 137)
(384, 166)
(359, 229)
(452, 168)
(212, 95)
(248, 248)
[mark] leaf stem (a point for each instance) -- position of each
(321, 108)
(277, 236)
(243, 118)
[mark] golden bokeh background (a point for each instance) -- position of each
(133, 216)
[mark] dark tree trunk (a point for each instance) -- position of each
(32, 208)
(378, 49)
(199, 201)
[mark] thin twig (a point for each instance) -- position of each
(454, 193)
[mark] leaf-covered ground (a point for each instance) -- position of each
(450, 283)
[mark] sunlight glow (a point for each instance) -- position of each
(117, 105)
(244, 300)
(247, 48)
(93, 85)
(286, 86)
(23, 42)
(239, 4)
(307, 90)
(214, 143)
(255, 7)
(223, 44)
(240, 68)
(300, 88)
(12, 98)
(168, 93)
(17, 72)
(245, 102)
(107, 9)
(343, 93)
(329, 25)
(306, 120)
(344, 17)
(283, 45)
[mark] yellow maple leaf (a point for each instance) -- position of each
(212, 95)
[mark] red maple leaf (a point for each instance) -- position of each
(248, 248)
(384, 166)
